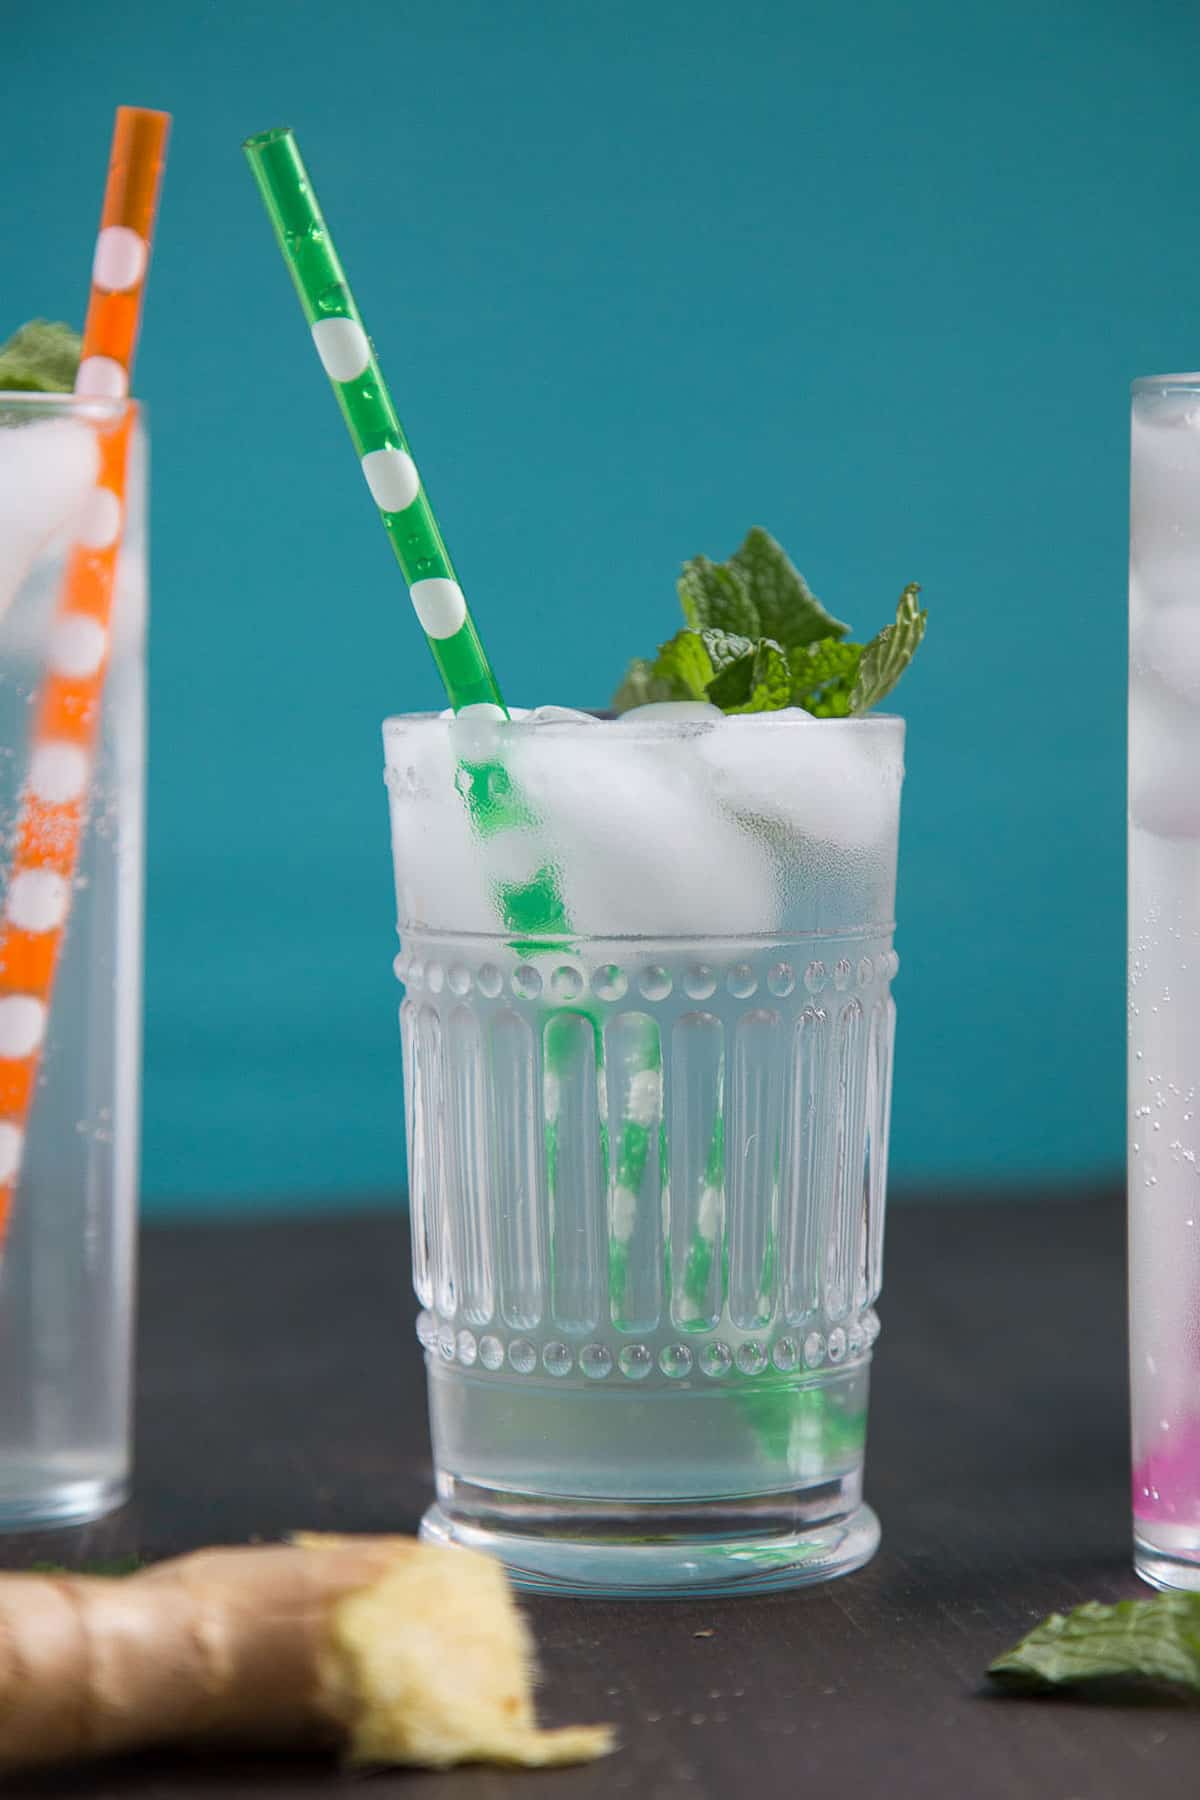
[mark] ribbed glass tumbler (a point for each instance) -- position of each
(648, 1041)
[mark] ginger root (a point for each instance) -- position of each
(394, 1650)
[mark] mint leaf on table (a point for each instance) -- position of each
(1101, 1648)
(714, 596)
(887, 656)
(40, 358)
(787, 609)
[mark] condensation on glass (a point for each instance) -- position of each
(1164, 977)
(648, 1148)
(67, 1264)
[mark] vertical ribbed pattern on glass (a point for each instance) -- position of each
(518, 1193)
(633, 1074)
(807, 1165)
(697, 1171)
(431, 1151)
(884, 1026)
(849, 1159)
(634, 1170)
(414, 1124)
(576, 1175)
(752, 1166)
(468, 1164)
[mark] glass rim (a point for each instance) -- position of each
(1145, 384)
(893, 724)
(98, 407)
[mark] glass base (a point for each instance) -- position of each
(1168, 1556)
(704, 1554)
(67, 1503)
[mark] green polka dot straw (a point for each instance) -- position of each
(348, 359)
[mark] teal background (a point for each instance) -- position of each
(641, 274)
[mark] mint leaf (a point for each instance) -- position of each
(639, 687)
(40, 358)
(715, 595)
(725, 647)
(823, 677)
(685, 665)
(1136, 1641)
(787, 609)
(887, 656)
(757, 639)
(756, 680)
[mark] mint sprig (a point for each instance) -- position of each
(756, 680)
(787, 608)
(40, 358)
(1106, 1649)
(886, 657)
(757, 639)
(715, 596)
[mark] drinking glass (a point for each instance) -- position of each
(648, 1140)
(1164, 977)
(72, 766)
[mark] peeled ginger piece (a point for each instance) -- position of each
(398, 1652)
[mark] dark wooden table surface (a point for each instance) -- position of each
(280, 1386)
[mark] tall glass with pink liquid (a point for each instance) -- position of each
(1164, 977)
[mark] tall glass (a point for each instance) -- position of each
(648, 1144)
(1164, 977)
(67, 1261)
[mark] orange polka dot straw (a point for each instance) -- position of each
(53, 809)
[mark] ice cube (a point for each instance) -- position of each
(561, 715)
(1164, 757)
(440, 878)
(835, 782)
(639, 846)
(450, 873)
(1165, 494)
(47, 471)
(1166, 644)
(784, 715)
(670, 712)
(514, 712)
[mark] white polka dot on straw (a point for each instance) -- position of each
(342, 347)
(101, 520)
(77, 646)
(120, 260)
(440, 606)
(37, 900)
(101, 378)
(22, 1025)
(12, 1141)
(392, 478)
(58, 772)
